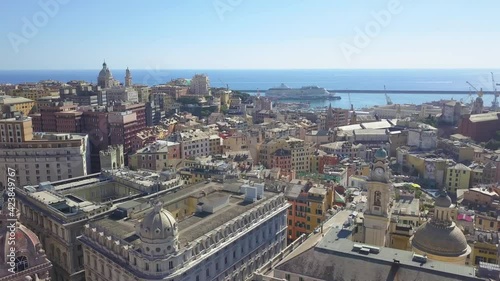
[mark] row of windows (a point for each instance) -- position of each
(480, 222)
(18, 133)
(456, 172)
(150, 157)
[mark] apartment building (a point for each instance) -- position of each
(19, 104)
(300, 152)
(200, 85)
(334, 117)
(457, 177)
(121, 95)
(308, 207)
(154, 156)
(206, 168)
(197, 143)
(484, 246)
(344, 149)
(39, 157)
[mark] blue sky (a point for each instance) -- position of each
(249, 34)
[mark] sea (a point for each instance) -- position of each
(331, 79)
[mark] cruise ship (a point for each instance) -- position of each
(304, 93)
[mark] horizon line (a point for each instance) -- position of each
(93, 69)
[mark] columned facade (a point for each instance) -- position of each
(232, 251)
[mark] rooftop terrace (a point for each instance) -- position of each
(195, 225)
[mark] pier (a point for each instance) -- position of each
(390, 92)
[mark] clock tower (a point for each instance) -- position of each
(378, 210)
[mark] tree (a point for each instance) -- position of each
(188, 100)
(418, 193)
(397, 194)
(497, 136)
(224, 109)
(492, 144)
(245, 98)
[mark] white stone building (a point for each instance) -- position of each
(112, 158)
(57, 212)
(423, 138)
(226, 237)
(46, 157)
(197, 143)
(121, 95)
(200, 85)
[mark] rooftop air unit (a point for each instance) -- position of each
(250, 194)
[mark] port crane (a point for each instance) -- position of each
(494, 103)
(227, 85)
(350, 102)
(479, 93)
(387, 98)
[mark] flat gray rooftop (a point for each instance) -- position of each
(194, 190)
(198, 225)
(333, 258)
(409, 207)
(191, 227)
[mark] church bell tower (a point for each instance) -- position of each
(378, 210)
(128, 78)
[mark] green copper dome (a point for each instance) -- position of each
(381, 153)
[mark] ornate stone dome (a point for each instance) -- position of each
(102, 73)
(443, 200)
(440, 240)
(105, 72)
(158, 225)
(381, 153)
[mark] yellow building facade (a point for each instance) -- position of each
(457, 177)
(486, 223)
(483, 252)
(319, 200)
(20, 104)
(416, 163)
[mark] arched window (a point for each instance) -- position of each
(21, 263)
(377, 199)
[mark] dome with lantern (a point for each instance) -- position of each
(380, 154)
(158, 231)
(159, 224)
